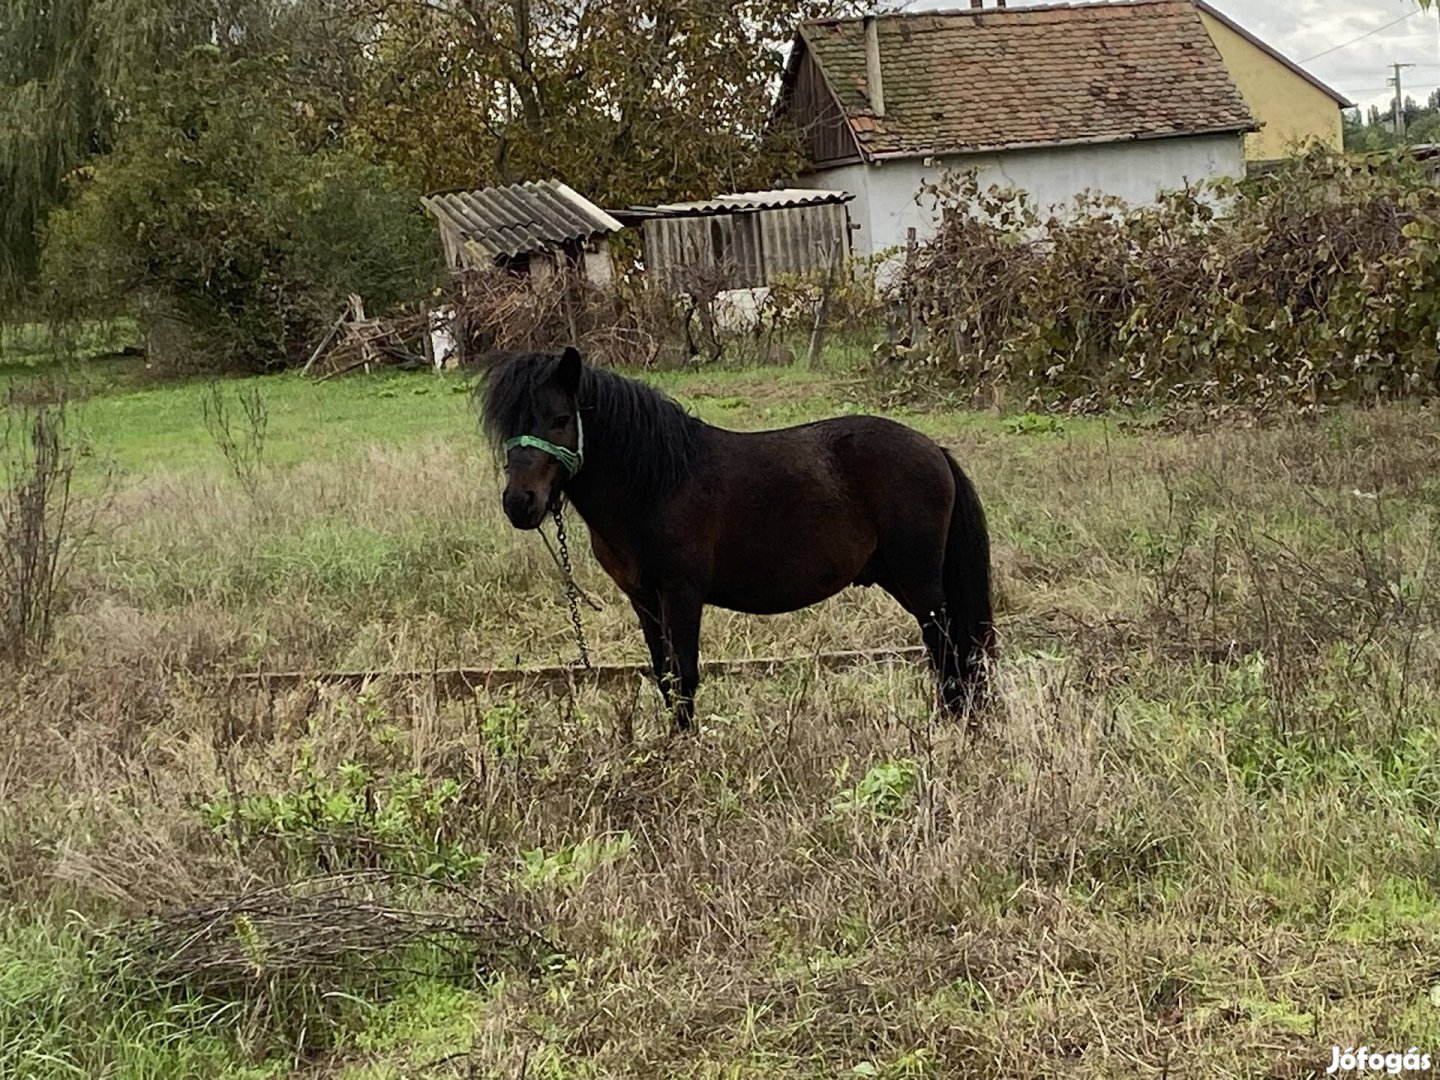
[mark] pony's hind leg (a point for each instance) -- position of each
(946, 659)
(916, 582)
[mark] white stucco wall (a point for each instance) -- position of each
(885, 204)
(599, 269)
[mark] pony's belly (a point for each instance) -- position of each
(805, 558)
(772, 598)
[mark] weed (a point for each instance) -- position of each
(1034, 424)
(882, 792)
(350, 819)
(239, 436)
(41, 526)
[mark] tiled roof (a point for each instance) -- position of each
(1004, 77)
(520, 218)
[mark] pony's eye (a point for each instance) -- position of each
(562, 420)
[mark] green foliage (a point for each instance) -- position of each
(70, 68)
(883, 792)
(1033, 424)
(64, 1013)
(1311, 286)
(625, 102)
(352, 818)
(47, 71)
(228, 213)
(571, 864)
(913, 1063)
(1375, 131)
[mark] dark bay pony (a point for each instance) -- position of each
(683, 514)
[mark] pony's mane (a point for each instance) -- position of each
(645, 435)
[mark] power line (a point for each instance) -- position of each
(1362, 37)
(1388, 89)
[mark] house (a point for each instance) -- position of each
(1291, 105)
(531, 228)
(744, 240)
(1127, 99)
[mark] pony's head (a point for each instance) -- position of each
(530, 409)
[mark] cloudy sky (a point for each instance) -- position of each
(1340, 41)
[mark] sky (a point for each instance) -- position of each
(1305, 29)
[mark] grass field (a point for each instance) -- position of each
(1198, 837)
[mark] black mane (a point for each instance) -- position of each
(641, 433)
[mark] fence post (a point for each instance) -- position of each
(822, 310)
(911, 250)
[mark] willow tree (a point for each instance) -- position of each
(53, 113)
(70, 69)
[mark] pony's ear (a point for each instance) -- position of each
(568, 373)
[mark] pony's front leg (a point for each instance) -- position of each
(647, 610)
(680, 619)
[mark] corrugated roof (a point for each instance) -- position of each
(749, 201)
(504, 222)
(991, 78)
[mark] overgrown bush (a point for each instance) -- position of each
(41, 523)
(701, 318)
(235, 222)
(1311, 286)
(502, 312)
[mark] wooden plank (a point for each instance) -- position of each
(325, 342)
(465, 681)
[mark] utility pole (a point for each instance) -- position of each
(1399, 102)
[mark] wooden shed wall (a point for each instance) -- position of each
(821, 121)
(749, 249)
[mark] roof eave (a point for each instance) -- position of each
(581, 204)
(717, 207)
(1047, 144)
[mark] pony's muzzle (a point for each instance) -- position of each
(524, 510)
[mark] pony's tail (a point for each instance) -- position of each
(966, 577)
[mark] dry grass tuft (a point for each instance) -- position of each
(329, 931)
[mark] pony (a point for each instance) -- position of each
(682, 514)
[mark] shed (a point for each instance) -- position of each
(1428, 157)
(534, 227)
(746, 239)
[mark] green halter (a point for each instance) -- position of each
(571, 459)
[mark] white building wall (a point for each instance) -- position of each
(599, 269)
(885, 203)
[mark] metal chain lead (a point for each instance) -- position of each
(571, 589)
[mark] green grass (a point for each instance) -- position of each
(161, 427)
(63, 1014)
(1198, 835)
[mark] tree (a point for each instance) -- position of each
(52, 114)
(226, 209)
(626, 101)
(70, 68)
